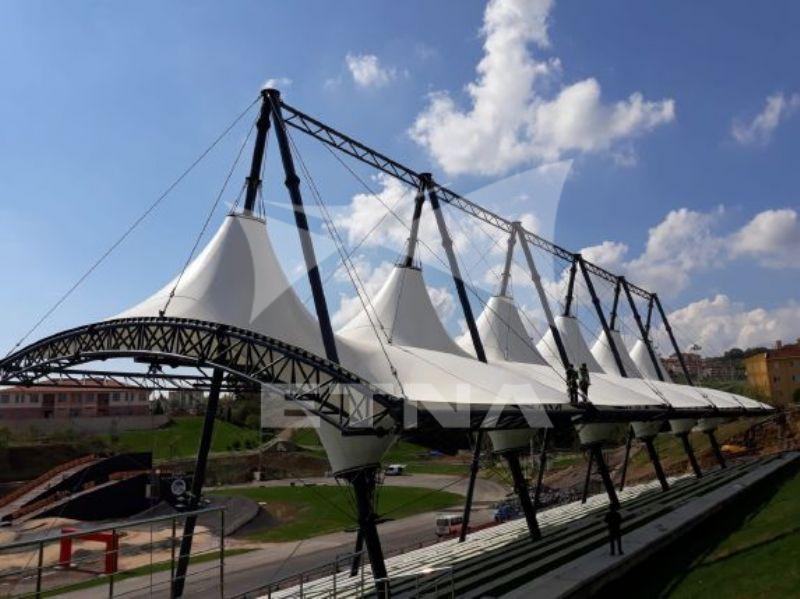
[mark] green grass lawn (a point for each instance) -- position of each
(315, 510)
(182, 438)
(761, 558)
(415, 457)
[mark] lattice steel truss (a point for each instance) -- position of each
(344, 143)
(326, 389)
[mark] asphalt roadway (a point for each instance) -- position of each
(251, 570)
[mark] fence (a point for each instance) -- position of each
(126, 557)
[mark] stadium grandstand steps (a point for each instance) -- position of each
(498, 559)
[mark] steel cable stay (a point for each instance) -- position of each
(207, 220)
(352, 272)
(133, 226)
(525, 340)
(470, 287)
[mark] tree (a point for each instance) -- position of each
(734, 353)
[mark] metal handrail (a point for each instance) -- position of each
(109, 526)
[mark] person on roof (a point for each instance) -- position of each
(572, 384)
(584, 381)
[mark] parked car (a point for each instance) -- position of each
(395, 470)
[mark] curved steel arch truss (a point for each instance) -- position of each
(324, 388)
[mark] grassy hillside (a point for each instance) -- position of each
(315, 510)
(761, 558)
(182, 438)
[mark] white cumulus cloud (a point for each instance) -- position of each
(519, 112)
(717, 324)
(758, 131)
(367, 71)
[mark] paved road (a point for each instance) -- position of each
(485, 490)
(278, 560)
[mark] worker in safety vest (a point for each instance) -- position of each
(572, 383)
(583, 376)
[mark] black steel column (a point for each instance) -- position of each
(506, 274)
(588, 477)
(455, 270)
(687, 447)
(651, 451)
(678, 351)
(570, 287)
(603, 469)
(715, 447)
(649, 315)
(419, 200)
(542, 466)
(642, 330)
(477, 344)
(473, 474)
(537, 282)
(601, 315)
(254, 180)
(628, 444)
(612, 321)
(293, 185)
(363, 482)
(521, 488)
(356, 563)
(198, 478)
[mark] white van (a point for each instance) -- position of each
(395, 470)
(448, 524)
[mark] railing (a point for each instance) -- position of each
(342, 563)
(42, 478)
(45, 566)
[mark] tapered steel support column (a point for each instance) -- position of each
(712, 438)
(473, 475)
(671, 335)
(505, 276)
(356, 563)
(628, 444)
(469, 317)
(604, 475)
(253, 181)
(570, 288)
(612, 320)
(523, 493)
(543, 301)
(586, 481)
(601, 315)
(198, 479)
(687, 447)
(413, 236)
(644, 331)
(293, 186)
(363, 482)
(542, 465)
(651, 451)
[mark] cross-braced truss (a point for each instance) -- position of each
(324, 388)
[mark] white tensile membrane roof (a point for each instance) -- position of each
(501, 328)
(503, 332)
(404, 314)
(237, 280)
(721, 399)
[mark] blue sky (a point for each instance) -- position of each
(675, 128)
